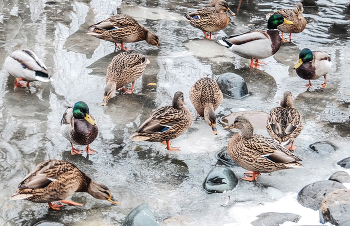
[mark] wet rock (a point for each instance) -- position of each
(140, 216)
(335, 208)
(179, 220)
(323, 147)
(345, 163)
(225, 158)
(232, 85)
(219, 180)
(275, 219)
(312, 195)
(341, 177)
(48, 223)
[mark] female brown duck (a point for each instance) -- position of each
(55, 180)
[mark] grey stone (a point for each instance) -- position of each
(323, 147)
(345, 163)
(312, 195)
(219, 180)
(341, 177)
(275, 219)
(335, 208)
(140, 216)
(232, 85)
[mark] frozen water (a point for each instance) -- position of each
(140, 172)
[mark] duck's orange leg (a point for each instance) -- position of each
(283, 39)
(171, 148)
(251, 63)
(309, 85)
(205, 35)
(290, 37)
(257, 63)
(252, 176)
(55, 206)
(121, 45)
(89, 151)
(324, 85)
(75, 151)
(165, 143)
(20, 84)
(71, 203)
(129, 91)
(291, 147)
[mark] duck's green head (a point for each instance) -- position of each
(81, 111)
(275, 20)
(305, 55)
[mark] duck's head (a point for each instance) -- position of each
(305, 55)
(81, 111)
(287, 100)
(100, 191)
(222, 6)
(275, 20)
(110, 89)
(152, 39)
(299, 9)
(178, 100)
(210, 118)
(244, 126)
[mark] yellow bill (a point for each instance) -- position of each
(89, 119)
(230, 127)
(113, 201)
(298, 64)
(105, 101)
(213, 128)
(287, 21)
(152, 84)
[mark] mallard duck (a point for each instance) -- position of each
(79, 127)
(256, 153)
(210, 19)
(296, 16)
(122, 29)
(257, 44)
(284, 123)
(313, 65)
(206, 97)
(124, 68)
(55, 180)
(26, 66)
(166, 123)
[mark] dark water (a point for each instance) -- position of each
(141, 172)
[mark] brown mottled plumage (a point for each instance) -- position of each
(124, 68)
(284, 123)
(206, 97)
(55, 180)
(166, 123)
(210, 19)
(79, 127)
(122, 29)
(295, 15)
(257, 153)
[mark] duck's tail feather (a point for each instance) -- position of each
(225, 43)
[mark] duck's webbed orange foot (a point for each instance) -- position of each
(291, 147)
(251, 176)
(206, 36)
(75, 151)
(55, 206)
(21, 84)
(89, 151)
(121, 46)
(71, 203)
(324, 85)
(257, 63)
(309, 85)
(169, 147)
(283, 39)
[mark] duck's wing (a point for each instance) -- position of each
(29, 60)
(246, 37)
(67, 117)
(320, 56)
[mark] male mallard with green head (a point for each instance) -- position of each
(124, 68)
(257, 153)
(55, 180)
(166, 123)
(206, 97)
(26, 67)
(284, 123)
(79, 127)
(210, 19)
(296, 16)
(122, 29)
(312, 65)
(257, 44)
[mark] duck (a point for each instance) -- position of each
(257, 153)
(257, 44)
(284, 123)
(122, 29)
(312, 65)
(124, 68)
(26, 67)
(166, 123)
(55, 180)
(206, 97)
(210, 19)
(296, 16)
(79, 127)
